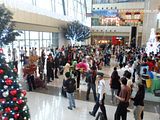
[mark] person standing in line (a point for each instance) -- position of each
(101, 97)
(70, 86)
(123, 98)
(139, 102)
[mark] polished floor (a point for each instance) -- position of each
(49, 104)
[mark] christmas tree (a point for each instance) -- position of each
(76, 31)
(12, 97)
(152, 44)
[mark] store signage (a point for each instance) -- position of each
(107, 13)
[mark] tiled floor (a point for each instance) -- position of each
(48, 104)
(49, 107)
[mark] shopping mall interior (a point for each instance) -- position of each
(128, 28)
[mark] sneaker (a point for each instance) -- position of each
(74, 106)
(91, 114)
(70, 108)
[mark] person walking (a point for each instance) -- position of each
(90, 79)
(123, 98)
(139, 102)
(70, 86)
(101, 97)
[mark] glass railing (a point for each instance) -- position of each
(114, 1)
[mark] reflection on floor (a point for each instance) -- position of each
(49, 107)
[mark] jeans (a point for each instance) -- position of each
(71, 99)
(137, 112)
(93, 86)
(114, 92)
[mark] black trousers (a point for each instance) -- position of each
(31, 83)
(121, 111)
(78, 78)
(93, 86)
(56, 71)
(102, 107)
(50, 74)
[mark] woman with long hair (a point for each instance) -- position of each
(139, 102)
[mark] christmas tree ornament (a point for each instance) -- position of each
(4, 118)
(16, 108)
(14, 99)
(15, 70)
(1, 71)
(5, 94)
(1, 50)
(11, 118)
(16, 116)
(5, 86)
(24, 92)
(20, 101)
(5, 77)
(8, 110)
(8, 81)
(13, 92)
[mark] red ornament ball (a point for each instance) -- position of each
(20, 101)
(1, 50)
(1, 71)
(14, 69)
(8, 81)
(7, 110)
(13, 92)
(15, 108)
(1, 100)
(16, 116)
(24, 92)
(6, 118)
(14, 99)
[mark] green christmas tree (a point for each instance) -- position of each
(12, 98)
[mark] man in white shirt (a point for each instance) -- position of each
(101, 96)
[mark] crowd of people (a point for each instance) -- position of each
(85, 62)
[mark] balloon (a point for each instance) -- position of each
(5, 94)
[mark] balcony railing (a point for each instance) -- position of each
(114, 1)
